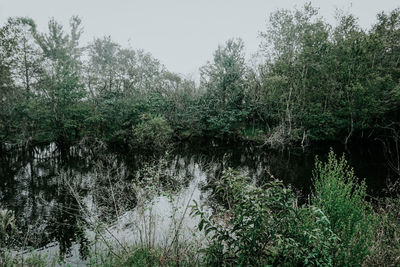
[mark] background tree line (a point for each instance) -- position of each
(314, 81)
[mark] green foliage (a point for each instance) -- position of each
(60, 87)
(7, 227)
(224, 80)
(386, 248)
(184, 111)
(341, 196)
(152, 133)
(316, 82)
(261, 226)
(337, 80)
(142, 256)
(31, 260)
(138, 257)
(9, 92)
(264, 226)
(7, 232)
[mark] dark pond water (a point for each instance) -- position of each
(41, 184)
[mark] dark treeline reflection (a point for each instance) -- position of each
(47, 187)
(31, 186)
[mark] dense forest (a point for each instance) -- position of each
(312, 81)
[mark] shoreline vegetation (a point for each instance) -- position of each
(248, 225)
(314, 82)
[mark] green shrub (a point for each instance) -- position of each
(154, 132)
(264, 226)
(341, 196)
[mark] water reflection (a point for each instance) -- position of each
(58, 194)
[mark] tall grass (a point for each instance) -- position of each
(386, 247)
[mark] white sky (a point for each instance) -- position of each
(182, 34)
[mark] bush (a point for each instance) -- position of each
(341, 196)
(264, 226)
(154, 132)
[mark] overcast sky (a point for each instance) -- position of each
(182, 34)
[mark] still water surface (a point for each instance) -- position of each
(58, 195)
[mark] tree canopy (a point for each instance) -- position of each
(315, 81)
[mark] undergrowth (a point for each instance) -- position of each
(264, 225)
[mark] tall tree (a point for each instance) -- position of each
(59, 100)
(224, 80)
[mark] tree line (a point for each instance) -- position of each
(310, 81)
